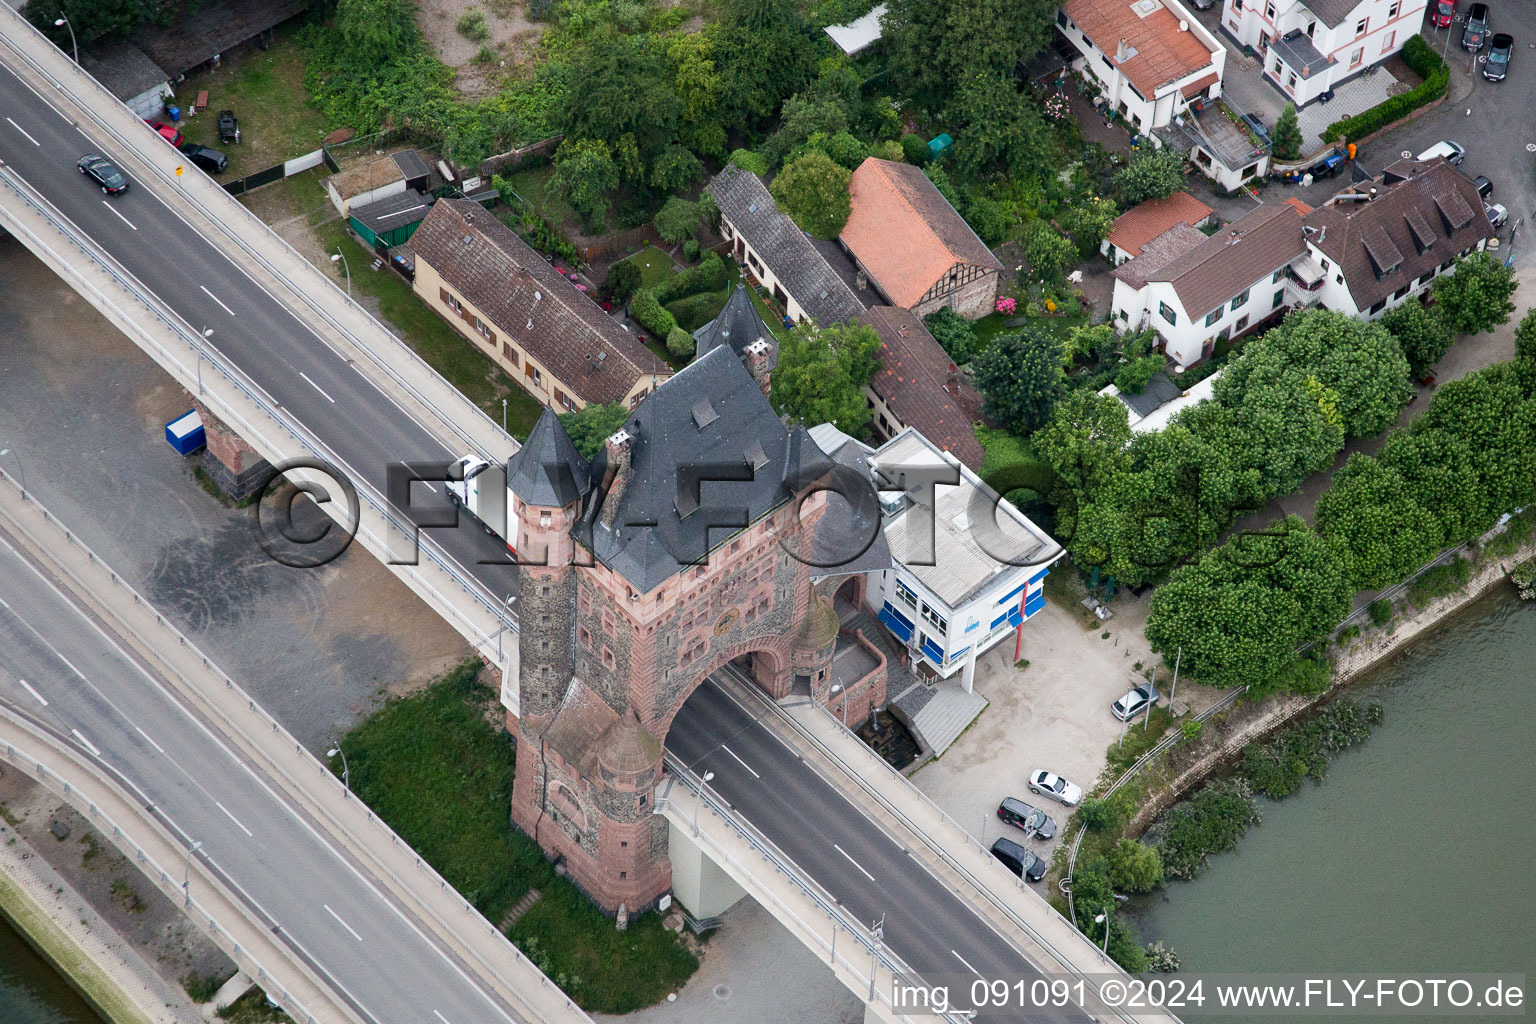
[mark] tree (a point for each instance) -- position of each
(914, 149)
(378, 29)
(1134, 866)
(1476, 296)
(698, 90)
(932, 45)
(1021, 378)
(622, 280)
(1085, 440)
(677, 220)
(763, 54)
(1048, 253)
(1421, 333)
(674, 169)
(954, 334)
(680, 344)
(750, 161)
(1372, 513)
(1093, 897)
(90, 18)
(995, 127)
(1287, 134)
(1525, 338)
(986, 216)
(1239, 613)
(814, 191)
(1153, 174)
(627, 98)
(804, 114)
(1136, 374)
(1088, 222)
(584, 171)
(815, 380)
(591, 425)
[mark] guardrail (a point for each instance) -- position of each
(266, 723)
(243, 215)
(238, 379)
(860, 934)
(122, 788)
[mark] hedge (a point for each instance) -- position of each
(1422, 58)
(711, 275)
(649, 314)
(696, 310)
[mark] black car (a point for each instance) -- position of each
(1484, 187)
(229, 127)
(100, 170)
(210, 160)
(1020, 815)
(1019, 860)
(1497, 64)
(1475, 36)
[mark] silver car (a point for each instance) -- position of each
(1498, 216)
(1141, 698)
(1055, 787)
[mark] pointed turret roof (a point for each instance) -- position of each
(738, 326)
(547, 469)
(627, 749)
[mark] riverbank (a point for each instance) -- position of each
(97, 961)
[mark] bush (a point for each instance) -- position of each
(1436, 75)
(954, 333)
(201, 988)
(680, 344)
(622, 280)
(749, 161)
(711, 275)
(1190, 731)
(1277, 768)
(649, 314)
(1440, 581)
(1135, 867)
(1524, 579)
(1135, 375)
(472, 26)
(1381, 611)
(1098, 815)
(690, 250)
(1212, 821)
(696, 310)
(914, 149)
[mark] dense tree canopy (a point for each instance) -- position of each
(1421, 333)
(814, 191)
(627, 99)
(1153, 174)
(584, 172)
(954, 334)
(1021, 377)
(821, 374)
(995, 126)
(1085, 440)
(935, 45)
(591, 425)
(1476, 297)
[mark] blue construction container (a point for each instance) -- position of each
(185, 433)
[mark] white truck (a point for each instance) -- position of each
(483, 494)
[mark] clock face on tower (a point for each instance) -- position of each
(727, 622)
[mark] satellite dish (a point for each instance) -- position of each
(1406, 154)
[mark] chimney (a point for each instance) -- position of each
(616, 478)
(757, 362)
(1122, 51)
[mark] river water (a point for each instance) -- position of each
(1414, 853)
(30, 991)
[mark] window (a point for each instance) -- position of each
(1378, 307)
(1275, 277)
(1338, 278)
(1358, 57)
(934, 619)
(586, 636)
(1279, 298)
(563, 399)
(485, 330)
(1167, 313)
(451, 299)
(1238, 327)
(1269, 10)
(1400, 292)
(1325, 266)
(1278, 66)
(1212, 317)
(1361, 26)
(1290, 82)
(1241, 300)
(533, 375)
(1392, 11)
(1061, 17)
(509, 352)
(1386, 44)
(903, 592)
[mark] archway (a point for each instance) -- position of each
(848, 598)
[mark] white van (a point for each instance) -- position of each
(1452, 152)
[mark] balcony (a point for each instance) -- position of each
(1307, 275)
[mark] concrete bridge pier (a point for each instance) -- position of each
(698, 883)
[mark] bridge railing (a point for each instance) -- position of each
(405, 532)
(236, 213)
(872, 953)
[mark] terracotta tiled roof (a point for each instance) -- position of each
(904, 233)
(1300, 207)
(918, 381)
(1159, 52)
(510, 283)
(1140, 224)
(1431, 198)
(1257, 243)
(1199, 85)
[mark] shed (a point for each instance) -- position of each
(131, 76)
(417, 174)
(939, 146)
(859, 34)
(391, 220)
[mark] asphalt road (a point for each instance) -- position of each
(58, 667)
(925, 923)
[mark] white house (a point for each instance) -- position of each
(967, 567)
(1151, 58)
(1195, 291)
(1311, 46)
(1160, 401)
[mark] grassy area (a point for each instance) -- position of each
(1003, 450)
(265, 89)
(445, 349)
(533, 186)
(991, 326)
(440, 773)
(655, 266)
(253, 1008)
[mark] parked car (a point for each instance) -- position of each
(100, 170)
(1141, 697)
(1443, 14)
(229, 127)
(1484, 187)
(1054, 786)
(1031, 819)
(210, 160)
(1497, 64)
(166, 132)
(1475, 36)
(1452, 151)
(1202, 5)
(1019, 860)
(1498, 216)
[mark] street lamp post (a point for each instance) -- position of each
(186, 875)
(503, 415)
(837, 688)
(700, 800)
(62, 22)
(346, 773)
(1104, 918)
(207, 333)
(876, 933)
(341, 257)
(20, 466)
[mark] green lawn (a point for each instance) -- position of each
(445, 349)
(439, 772)
(993, 325)
(265, 89)
(533, 186)
(655, 266)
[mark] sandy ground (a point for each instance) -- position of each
(512, 39)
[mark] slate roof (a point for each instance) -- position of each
(710, 414)
(124, 69)
(392, 212)
(1257, 243)
(921, 385)
(905, 234)
(1331, 12)
(1433, 199)
(1158, 52)
(1158, 253)
(849, 537)
(737, 326)
(510, 283)
(1140, 224)
(743, 200)
(547, 469)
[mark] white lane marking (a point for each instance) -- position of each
(120, 217)
(215, 298)
(25, 132)
(967, 963)
(151, 741)
(344, 924)
(87, 744)
(440, 1017)
(429, 487)
(234, 819)
(855, 863)
(317, 387)
(739, 761)
(28, 687)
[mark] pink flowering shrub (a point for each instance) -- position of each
(1006, 305)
